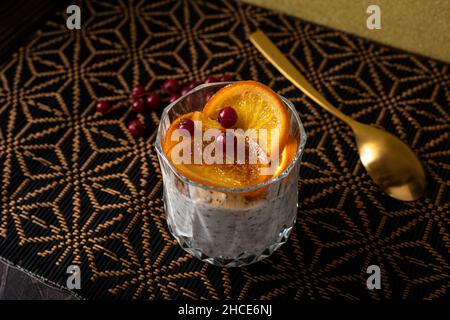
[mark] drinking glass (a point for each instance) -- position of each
(228, 227)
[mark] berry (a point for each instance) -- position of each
(227, 117)
(171, 86)
(187, 124)
(136, 128)
(188, 88)
(209, 96)
(103, 106)
(193, 84)
(184, 91)
(210, 80)
(138, 105)
(138, 92)
(173, 97)
(226, 78)
(153, 101)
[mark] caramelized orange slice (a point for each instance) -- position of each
(257, 107)
(223, 175)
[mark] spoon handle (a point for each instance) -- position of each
(278, 59)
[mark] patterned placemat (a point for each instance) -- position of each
(76, 188)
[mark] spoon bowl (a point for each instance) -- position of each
(390, 163)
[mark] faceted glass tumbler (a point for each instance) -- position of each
(228, 227)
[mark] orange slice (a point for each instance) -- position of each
(219, 175)
(257, 107)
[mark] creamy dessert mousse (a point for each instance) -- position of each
(230, 167)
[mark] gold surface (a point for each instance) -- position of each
(414, 25)
(388, 161)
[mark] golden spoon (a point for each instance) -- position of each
(390, 162)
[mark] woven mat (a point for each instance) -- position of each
(76, 188)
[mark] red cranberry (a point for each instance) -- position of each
(171, 86)
(138, 105)
(103, 106)
(227, 117)
(193, 84)
(184, 91)
(188, 88)
(153, 101)
(136, 128)
(187, 124)
(173, 97)
(210, 80)
(138, 92)
(209, 96)
(226, 78)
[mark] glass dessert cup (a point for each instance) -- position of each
(228, 227)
